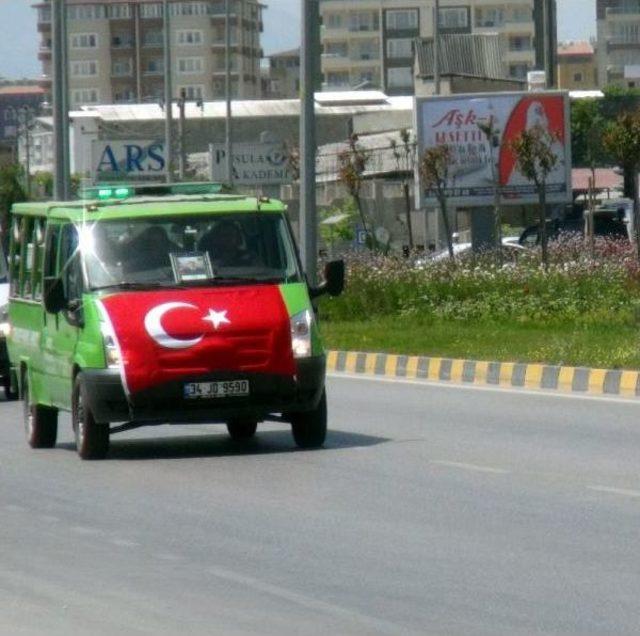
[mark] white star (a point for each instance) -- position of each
(217, 318)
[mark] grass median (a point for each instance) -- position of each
(597, 345)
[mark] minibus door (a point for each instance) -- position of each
(62, 329)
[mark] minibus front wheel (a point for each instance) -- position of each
(92, 438)
(309, 428)
(40, 422)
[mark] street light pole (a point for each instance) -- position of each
(168, 94)
(227, 90)
(182, 157)
(436, 48)
(60, 103)
(308, 80)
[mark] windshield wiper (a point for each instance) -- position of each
(135, 286)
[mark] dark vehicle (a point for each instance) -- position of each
(609, 220)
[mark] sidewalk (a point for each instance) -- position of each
(502, 374)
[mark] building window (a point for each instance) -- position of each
(518, 71)
(400, 77)
(190, 65)
(154, 67)
(363, 21)
(520, 43)
(190, 8)
(122, 41)
(366, 50)
(189, 38)
(124, 96)
(193, 92)
(122, 68)
(338, 79)
(454, 18)
(336, 49)
(84, 68)
(85, 96)
(400, 48)
(577, 77)
(86, 12)
(334, 21)
(489, 17)
(152, 38)
(44, 14)
(151, 10)
(402, 20)
(119, 11)
(84, 41)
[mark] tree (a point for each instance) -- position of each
(11, 191)
(434, 170)
(352, 163)
(536, 160)
(587, 128)
(405, 158)
(622, 140)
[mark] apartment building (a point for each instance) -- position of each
(618, 49)
(116, 54)
(372, 40)
(577, 66)
(283, 79)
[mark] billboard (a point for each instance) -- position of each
(260, 163)
(454, 121)
(131, 160)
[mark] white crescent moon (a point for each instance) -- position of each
(152, 323)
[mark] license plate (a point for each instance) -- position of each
(210, 390)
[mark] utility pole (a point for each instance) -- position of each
(436, 47)
(60, 103)
(25, 120)
(168, 94)
(309, 53)
(182, 159)
(227, 89)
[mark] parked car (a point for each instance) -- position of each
(510, 251)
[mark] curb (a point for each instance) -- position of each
(497, 374)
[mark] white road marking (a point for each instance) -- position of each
(482, 387)
(474, 467)
(314, 604)
(124, 543)
(625, 492)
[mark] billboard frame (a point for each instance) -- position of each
(424, 201)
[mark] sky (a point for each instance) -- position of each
(19, 37)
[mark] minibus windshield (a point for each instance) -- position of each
(189, 251)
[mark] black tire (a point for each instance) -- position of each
(92, 438)
(9, 393)
(40, 422)
(242, 429)
(310, 428)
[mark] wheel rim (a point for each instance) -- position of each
(28, 412)
(80, 425)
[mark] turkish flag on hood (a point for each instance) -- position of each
(165, 336)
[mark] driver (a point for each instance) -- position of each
(225, 244)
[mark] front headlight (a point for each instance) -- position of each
(301, 334)
(111, 350)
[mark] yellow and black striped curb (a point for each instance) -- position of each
(497, 374)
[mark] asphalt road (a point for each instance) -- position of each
(431, 510)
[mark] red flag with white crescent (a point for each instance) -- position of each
(165, 336)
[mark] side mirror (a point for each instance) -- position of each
(334, 280)
(54, 300)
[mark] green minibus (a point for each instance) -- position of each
(129, 309)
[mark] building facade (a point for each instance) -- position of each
(115, 49)
(19, 105)
(283, 78)
(618, 49)
(577, 66)
(372, 40)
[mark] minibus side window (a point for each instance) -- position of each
(38, 258)
(50, 264)
(70, 269)
(26, 256)
(14, 256)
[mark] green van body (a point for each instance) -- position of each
(50, 351)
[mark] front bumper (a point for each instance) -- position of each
(165, 403)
